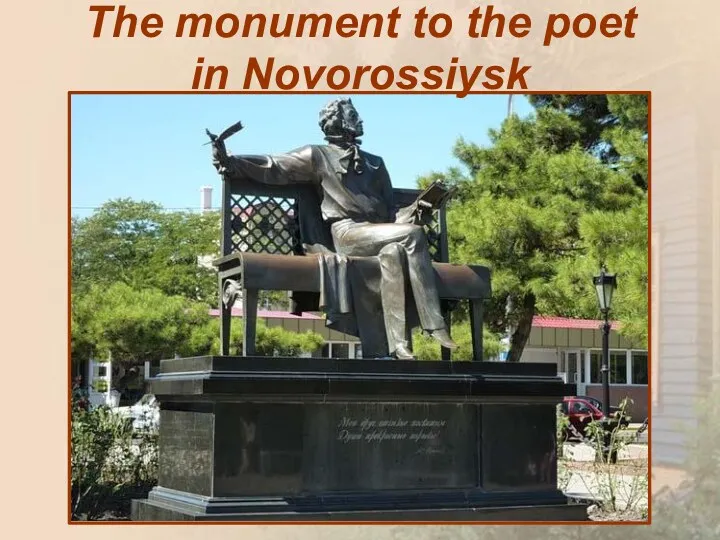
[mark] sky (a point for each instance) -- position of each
(150, 147)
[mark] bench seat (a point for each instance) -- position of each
(271, 272)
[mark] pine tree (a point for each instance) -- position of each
(554, 196)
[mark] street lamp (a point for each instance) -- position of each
(605, 285)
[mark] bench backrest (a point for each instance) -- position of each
(263, 219)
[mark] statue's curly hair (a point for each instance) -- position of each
(330, 117)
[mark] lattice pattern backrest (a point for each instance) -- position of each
(263, 224)
(263, 219)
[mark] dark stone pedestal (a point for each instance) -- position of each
(356, 440)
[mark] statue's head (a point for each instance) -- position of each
(340, 119)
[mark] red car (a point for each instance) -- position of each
(614, 411)
(580, 413)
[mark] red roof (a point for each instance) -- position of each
(565, 322)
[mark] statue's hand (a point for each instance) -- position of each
(425, 215)
(219, 153)
(417, 214)
(219, 156)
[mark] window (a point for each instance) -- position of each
(595, 365)
(594, 402)
(579, 407)
(341, 350)
(618, 367)
(639, 368)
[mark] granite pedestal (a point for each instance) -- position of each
(261, 439)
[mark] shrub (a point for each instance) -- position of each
(110, 463)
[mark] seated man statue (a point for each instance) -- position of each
(356, 203)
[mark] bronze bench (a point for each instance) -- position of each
(260, 247)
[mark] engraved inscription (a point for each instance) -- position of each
(368, 430)
(373, 446)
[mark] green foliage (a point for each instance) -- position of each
(588, 114)
(110, 464)
(629, 136)
(140, 293)
(131, 325)
(619, 239)
(427, 348)
(273, 341)
(279, 342)
(550, 199)
(139, 244)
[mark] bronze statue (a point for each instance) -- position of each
(355, 195)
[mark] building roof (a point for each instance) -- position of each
(565, 322)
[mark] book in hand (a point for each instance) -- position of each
(435, 196)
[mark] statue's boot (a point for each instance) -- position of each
(403, 353)
(444, 338)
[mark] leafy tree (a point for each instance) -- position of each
(617, 238)
(536, 204)
(133, 326)
(140, 244)
(141, 291)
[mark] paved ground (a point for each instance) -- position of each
(628, 488)
(585, 452)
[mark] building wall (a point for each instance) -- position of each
(638, 393)
(574, 338)
(681, 252)
(537, 355)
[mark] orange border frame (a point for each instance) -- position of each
(359, 92)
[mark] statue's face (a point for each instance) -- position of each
(352, 123)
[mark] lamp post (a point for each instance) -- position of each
(605, 285)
